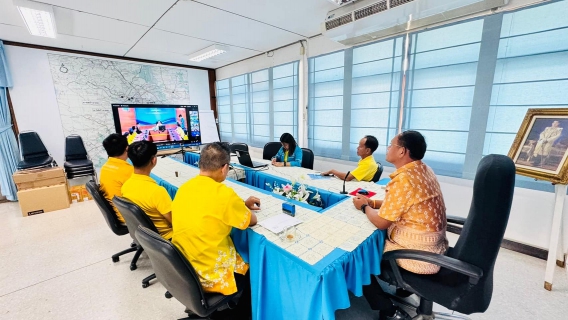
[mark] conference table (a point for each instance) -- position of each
(335, 250)
(266, 178)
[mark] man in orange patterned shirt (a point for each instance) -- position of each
(413, 211)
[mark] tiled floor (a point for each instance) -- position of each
(57, 266)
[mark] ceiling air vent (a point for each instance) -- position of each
(396, 3)
(337, 22)
(370, 10)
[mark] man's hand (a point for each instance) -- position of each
(251, 201)
(359, 201)
(327, 173)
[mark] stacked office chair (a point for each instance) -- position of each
(307, 158)
(270, 150)
(134, 217)
(178, 276)
(379, 173)
(77, 162)
(33, 152)
(465, 281)
(110, 217)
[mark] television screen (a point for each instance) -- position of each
(169, 126)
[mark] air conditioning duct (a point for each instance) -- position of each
(367, 20)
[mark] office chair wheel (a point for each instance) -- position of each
(145, 285)
(168, 295)
(133, 244)
(133, 267)
(115, 259)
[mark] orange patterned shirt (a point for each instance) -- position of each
(413, 199)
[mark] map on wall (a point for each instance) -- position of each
(85, 88)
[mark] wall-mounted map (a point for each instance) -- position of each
(86, 87)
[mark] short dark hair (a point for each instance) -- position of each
(214, 156)
(414, 142)
(141, 153)
(289, 139)
(115, 144)
(372, 143)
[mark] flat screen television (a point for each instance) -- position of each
(168, 126)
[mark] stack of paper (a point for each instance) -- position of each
(280, 222)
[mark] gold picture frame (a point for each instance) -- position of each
(540, 148)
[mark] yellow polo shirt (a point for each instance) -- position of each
(204, 213)
(152, 198)
(366, 169)
(113, 175)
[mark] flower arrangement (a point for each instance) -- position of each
(298, 192)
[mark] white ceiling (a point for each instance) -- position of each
(170, 30)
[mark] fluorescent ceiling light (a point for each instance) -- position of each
(208, 52)
(38, 18)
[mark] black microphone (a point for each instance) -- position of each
(345, 192)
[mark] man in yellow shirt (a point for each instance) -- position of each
(413, 211)
(367, 166)
(205, 211)
(116, 170)
(142, 190)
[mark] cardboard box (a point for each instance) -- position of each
(76, 194)
(79, 193)
(30, 179)
(43, 199)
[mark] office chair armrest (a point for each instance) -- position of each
(474, 273)
(455, 220)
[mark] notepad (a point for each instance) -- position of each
(315, 176)
(280, 222)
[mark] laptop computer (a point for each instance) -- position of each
(245, 160)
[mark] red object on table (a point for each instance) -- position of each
(354, 193)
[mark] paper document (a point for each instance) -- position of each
(280, 222)
(316, 176)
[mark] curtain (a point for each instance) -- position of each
(8, 147)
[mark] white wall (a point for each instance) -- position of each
(35, 104)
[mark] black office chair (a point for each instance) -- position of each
(33, 152)
(134, 217)
(270, 150)
(77, 162)
(178, 276)
(465, 281)
(238, 146)
(307, 158)
(110, 217)
(378, 174)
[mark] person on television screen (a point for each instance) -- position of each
(181, 122)
(138, 131)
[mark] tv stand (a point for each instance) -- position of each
(181, 150)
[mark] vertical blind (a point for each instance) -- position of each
(440, 88)
(325, 106)
(375, 94)
(256, 108)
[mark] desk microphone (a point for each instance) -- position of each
(345, 192)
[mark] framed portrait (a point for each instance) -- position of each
(540, 147)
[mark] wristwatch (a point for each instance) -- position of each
(363, 207)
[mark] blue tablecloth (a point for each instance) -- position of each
(258, 178)
(285, 287)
